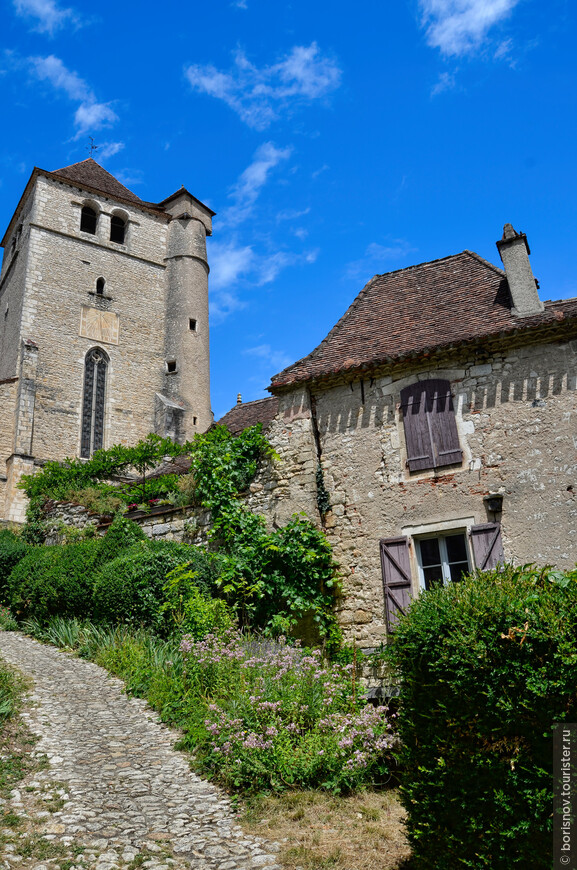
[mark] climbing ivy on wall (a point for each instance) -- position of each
(275, 579)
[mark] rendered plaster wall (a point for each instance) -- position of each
(516, 414)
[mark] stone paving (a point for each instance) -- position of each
(114, 792)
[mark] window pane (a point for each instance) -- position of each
(88, 220)
(433, 576)
(458, 569)
(117, 227)
(456, 548)
(430, 554)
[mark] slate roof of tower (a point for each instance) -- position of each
(415, 311)
(249, 414)
(89, 173)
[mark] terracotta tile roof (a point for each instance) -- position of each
(249, 414)
(90, 174)
(414, 311)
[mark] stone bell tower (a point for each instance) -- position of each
(103, 321)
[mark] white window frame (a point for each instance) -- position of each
(444, 564)
(458, 525)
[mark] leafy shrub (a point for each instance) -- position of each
(121, 536)
(129, 589)
(102, 498)
(11, 688)
(7, 621)
(190, 610)
(12, 550)
(486, 667)
(53, 580)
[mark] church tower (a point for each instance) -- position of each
(103, 321)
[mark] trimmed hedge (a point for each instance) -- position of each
(486, 667)
(52, 581)
(129, 589)
(12, 550)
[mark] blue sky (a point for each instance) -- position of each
(334, 141)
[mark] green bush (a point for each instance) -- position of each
(191, 610)
(129, 589)
(486, 667)
(12, 550)
(53, 580)
(120, 537)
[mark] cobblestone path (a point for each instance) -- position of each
(114, 793)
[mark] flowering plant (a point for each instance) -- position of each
(278, 716)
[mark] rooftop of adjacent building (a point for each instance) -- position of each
(413, 312)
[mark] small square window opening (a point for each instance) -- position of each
(192, 324)
(171, 366)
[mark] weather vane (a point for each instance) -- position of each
(93, 148)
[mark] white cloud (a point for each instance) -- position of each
(90, 114)
(108, 149)
(269, 267)
(377, 255)
(49, 16)
(445, 82)
(233, 264)
(247, 189)
(291, 214)
(276, 359)
(259, 95)
(52, 69)
(228, 262)
(458, 27)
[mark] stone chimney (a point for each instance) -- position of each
(514, 252)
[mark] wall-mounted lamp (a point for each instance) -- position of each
(494, 502)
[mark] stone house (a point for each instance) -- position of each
(439, 416)
(103, 321)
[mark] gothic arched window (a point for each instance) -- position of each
(92, 433)
(88, 219)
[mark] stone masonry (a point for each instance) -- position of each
(143, 304)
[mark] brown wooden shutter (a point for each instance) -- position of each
(396, 568)
(417, 433)
(487, 546)
(444, 434)
(430, 427)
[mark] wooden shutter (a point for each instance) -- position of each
(430, 426)
(487, 546)
(417, 434)
(444, 434)
(396, 568)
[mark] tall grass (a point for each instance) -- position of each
(257, 715)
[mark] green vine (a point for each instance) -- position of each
(277, 580)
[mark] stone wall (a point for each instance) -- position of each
(189, 525)
(516, 415)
